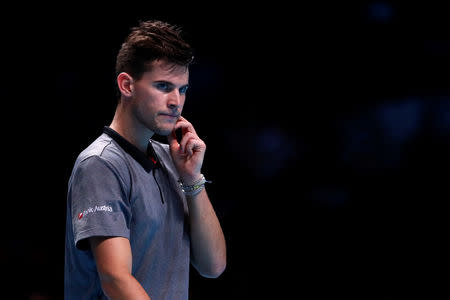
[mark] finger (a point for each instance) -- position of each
(194, 145)
(185, 139)
(185, 125)
(190, 146)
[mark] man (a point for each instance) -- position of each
(138, 213)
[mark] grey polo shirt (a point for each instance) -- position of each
(117, 190)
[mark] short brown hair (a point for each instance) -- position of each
(150, 41)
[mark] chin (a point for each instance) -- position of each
(163, 131)
(161, 128)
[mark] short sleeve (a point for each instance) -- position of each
(99, 200)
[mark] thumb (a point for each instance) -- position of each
(173, 143)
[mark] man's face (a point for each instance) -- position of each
(158, 97)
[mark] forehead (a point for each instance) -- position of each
(161, 70)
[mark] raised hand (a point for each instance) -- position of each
(189, 153)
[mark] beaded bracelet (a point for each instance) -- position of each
(194, 189)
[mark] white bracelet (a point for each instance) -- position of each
(194, 189)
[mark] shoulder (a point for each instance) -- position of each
(102, 154)
(103, 147)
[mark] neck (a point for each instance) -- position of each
(131, 130)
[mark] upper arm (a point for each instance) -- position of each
(112, 256)
(99, 203)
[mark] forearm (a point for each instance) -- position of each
(207, 239)
(114, 264)
(123, 287)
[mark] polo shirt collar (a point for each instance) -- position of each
(148, 162)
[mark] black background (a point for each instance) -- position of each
(327, 125)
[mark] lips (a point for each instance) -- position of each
(170, 115)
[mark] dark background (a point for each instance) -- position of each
(328, 133)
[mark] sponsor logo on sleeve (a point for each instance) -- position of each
(95, 209)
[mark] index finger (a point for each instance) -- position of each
(185, 125)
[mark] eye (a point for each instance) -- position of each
(183, 89)
(163, 86)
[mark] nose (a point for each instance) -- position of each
(174, 100)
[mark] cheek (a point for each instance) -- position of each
(147, 100)
(144, 107)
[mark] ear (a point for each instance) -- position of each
(125, 84)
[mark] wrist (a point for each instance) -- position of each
(195, 188)
(190, 179)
